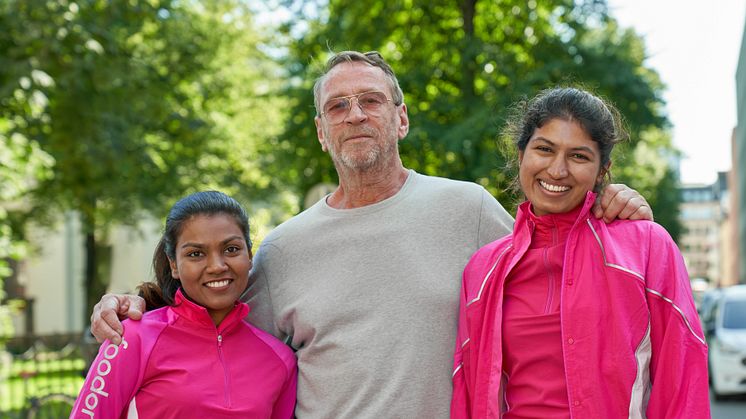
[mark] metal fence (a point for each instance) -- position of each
(41, 375)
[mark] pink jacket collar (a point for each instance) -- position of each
(198, 314)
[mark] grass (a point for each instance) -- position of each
(24, 379)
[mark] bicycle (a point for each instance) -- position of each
(50, 406)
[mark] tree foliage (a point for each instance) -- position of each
(138, 102)
(461, 66)
(22, 165)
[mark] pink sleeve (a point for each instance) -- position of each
(284, 407)
(678, 365)
(113, 379)
(460, 399)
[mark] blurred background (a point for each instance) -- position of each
(110, 110)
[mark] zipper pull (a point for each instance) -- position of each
(220, 340)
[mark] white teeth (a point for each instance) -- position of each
(553, 188)
(218, 284)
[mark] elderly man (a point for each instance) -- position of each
(364, 284)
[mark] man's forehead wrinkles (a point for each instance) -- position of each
(346, 79)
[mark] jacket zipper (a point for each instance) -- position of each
(550, 272)
(550, 283)
(226, 377)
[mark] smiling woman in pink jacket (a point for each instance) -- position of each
(195, 357)
(569, 317)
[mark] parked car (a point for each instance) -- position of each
(700, 287)
(706, 310)
(727, 340)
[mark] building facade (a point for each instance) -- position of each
(704, 218)
(739, 161)
(51, 280)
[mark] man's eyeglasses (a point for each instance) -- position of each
(336, 109)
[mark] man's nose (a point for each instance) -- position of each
(356, 113)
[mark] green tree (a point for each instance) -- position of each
(461, 65)
(136, 101)
(22, 165)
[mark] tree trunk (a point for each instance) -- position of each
(95, 284)
(468, 55)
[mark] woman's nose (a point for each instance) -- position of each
(216, 264)
(557, 168)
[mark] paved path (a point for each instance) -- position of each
(734, 408)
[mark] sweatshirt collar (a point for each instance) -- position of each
(194, 312)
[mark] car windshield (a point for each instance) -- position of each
(734, 314)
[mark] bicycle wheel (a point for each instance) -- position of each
(51, 406)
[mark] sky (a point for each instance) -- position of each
(694, 46)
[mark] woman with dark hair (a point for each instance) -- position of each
(569, 316)
(194, 355)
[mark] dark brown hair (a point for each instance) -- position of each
(161, 292)
(599, 118)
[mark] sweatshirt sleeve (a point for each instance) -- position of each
(113, 379)
(494, 221)
(258, 295)
(678, 365)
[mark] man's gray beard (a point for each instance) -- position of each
(369, 160)
(366, 162)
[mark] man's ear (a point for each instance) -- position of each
(320, 134)
(403, 121)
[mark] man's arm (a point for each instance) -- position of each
(622, 202)
(105, 320)
(258, 295)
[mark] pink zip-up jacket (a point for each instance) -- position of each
(631, 340)
(174, 363)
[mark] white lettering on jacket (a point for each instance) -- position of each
(98, 384)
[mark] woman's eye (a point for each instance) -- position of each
(194, 254)
(232, 249)
(580, 156)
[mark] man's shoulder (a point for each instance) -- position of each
(457, 191)
(446, 183)
(295, 225)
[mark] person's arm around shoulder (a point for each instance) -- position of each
(618, 201)
(107, 313)
(678, 365)
(113, 379)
